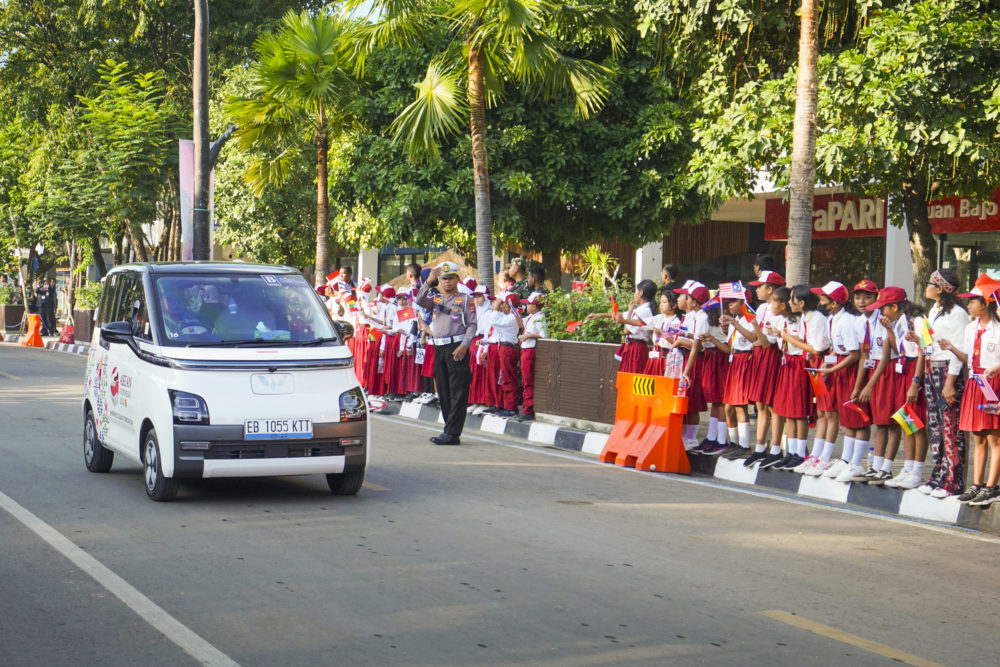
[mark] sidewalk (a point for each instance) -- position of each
(886, 500)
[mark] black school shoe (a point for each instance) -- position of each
(986, 497)
(794, 461)
(755, 457)
(446, 439)
(771, 460)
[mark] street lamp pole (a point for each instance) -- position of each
(200, 218)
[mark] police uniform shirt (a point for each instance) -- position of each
(453, 316)
(535, 324)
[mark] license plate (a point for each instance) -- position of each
(277, 429)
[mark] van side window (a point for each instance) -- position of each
(131, 307)
(106, 309)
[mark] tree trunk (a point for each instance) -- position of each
(480, 168)
(552, 263)
(923, 248)
(322, 206)
(138, 242)
(97, 257)
(201, 218)
(803, 175)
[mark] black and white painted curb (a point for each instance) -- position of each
(72, 348)
(537, 433)
(908, 503)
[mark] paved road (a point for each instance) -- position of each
(477, 555)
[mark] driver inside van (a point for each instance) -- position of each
(178, 320)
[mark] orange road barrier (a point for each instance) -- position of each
(34, 336)
(649, 421)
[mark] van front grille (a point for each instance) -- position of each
(256, 449)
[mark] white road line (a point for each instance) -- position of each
(149, 611)
(956, 531)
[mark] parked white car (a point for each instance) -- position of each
(221, 370)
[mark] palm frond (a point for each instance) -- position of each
(539, 63)
(574, 20)
(271, 171)
(439, 109)
(398, 22)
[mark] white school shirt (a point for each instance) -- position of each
(811, 327)
(534, 324)
(902, 327)
(843, 333)
(878, 334)
(661, 321)
(716, 334)
(504, 328)
(644, 313)
(989, 344)
(737, 341)
(948, 326)
(389, 316)
(484, 319)
(779, 322)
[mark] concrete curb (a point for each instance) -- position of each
(74, 348)
(908, 503)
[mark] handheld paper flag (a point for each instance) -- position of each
(714, 302)
(572, 326)
(405, 314)
(614, 306)
(748, 312)
(818, 385)
(857, 408)
(908, 419)
(984, 386)
(926, 335)
(732, 290)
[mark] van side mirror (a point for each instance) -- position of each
(344, 330)
(117, 332)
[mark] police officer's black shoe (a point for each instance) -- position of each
(446, 439)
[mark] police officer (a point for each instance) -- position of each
(453, 327)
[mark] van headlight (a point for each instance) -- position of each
(188, 408)
(353, 406)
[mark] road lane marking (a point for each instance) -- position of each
(848, 638)
(374, 487)
(955, 531)
(149, 611)
(9, 376)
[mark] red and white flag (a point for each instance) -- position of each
(732, 291)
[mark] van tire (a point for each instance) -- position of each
(158, 487)
(346, 483)
(96, 456)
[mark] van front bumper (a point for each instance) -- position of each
(221, 451)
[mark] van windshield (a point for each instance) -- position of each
(240, 309)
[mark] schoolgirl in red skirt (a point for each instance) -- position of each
(535, 328)
(734, 394)
(765, 361)
(506, 326)
(713, 358)
(382, 318)
(479, 393)
(692, 295)
(634, 352)
(981, 354)
(661, 325)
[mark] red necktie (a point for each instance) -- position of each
(976, 346)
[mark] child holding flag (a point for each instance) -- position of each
(506, 323)
(662, 326)
(534, 329)
(480, 391)
(943, 382)
(695, 322)
(734, 393)
(855, 414)
(713, 355)
(765, 362)
(981, 353)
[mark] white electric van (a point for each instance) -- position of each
(201, 369)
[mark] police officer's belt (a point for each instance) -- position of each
(447, 341)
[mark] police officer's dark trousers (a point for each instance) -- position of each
(453, 379)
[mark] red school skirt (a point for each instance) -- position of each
(763, 376)
(792, 392)
(634, 354)
(696, 395)
(409, 374)
(714, 367)
(392, 363)
(905, 380)
(886, 398)
(477, 388)
(656, 365)
(843, 386)
(971, 418)
(738, 378)
(372, 378)
(427, 370)
(826, 403)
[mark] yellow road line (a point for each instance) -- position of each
(848, 638)
(8, 375)
(374, 487)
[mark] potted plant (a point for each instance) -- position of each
(87, 299)
(11, 312)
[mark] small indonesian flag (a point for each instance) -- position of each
(908, 419)
(405, 314)
(571, 327)
(857, 408)
(818, 385)
(927, 334)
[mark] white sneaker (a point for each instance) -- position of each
(849, 473)
(835, 469)
(819, 468)
(898, 479)
(939, 493)
(911, 481)
(925, 489)
(805, 465)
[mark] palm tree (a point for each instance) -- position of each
(493, 44)
(803, 176)
(302, 90)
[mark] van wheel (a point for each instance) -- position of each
(96, 457)
(158, 487)
(346, 483)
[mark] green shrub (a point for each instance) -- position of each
(564, 307)
(7, 295)
(89, 296)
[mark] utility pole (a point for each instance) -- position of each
(200, 217)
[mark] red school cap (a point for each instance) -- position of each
(768, 277)
(886, 296)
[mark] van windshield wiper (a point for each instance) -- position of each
(320, 341)
(247, 342)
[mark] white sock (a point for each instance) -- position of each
(908, 465)
(743, 429)
(720, 433)
(690, 431)
(758, 448)
(817, 447)
(827, 451)
(848, 449)
(918, 468)
(887, 465)
(877, 462)
(775, 449)
(713, 425)
(733, 435)
(803, 444)
(860, 451)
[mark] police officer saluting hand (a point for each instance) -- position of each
(453, 328)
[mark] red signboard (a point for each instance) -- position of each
(834, 216)
(954, 215)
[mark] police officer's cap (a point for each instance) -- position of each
(448, 269)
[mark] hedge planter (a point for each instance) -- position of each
(83, 324)
(576, 380)
(11, 317)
